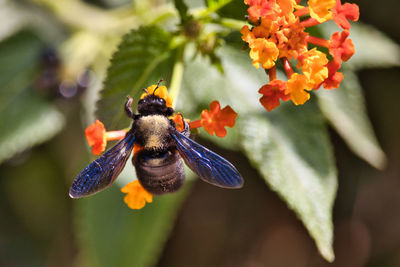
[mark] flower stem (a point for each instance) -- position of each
(90, 17)
(206, 12)
(309, 22)
(287, 67)
(271, 73)
(233, 24)
(177, 74)
(195, 124)
(115, 135)
(302, 12)
(318, 41)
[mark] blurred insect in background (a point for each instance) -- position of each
(158, 162)
(52, 83)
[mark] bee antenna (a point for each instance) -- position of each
(145, 90)
(158, 85)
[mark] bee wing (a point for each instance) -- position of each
(102, 172)
(210, 166)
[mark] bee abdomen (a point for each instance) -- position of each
(161, 173)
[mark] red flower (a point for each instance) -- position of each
(178, 119)
(340, 47)
(215, 120)
(334, 77)
(272, 92)
(97, 136)
(333, 82)
(260, 8)
(343, 13)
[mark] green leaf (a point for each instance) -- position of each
(12, 16)
(111, 234)
(234, 9)
(214, 5)
(373, 47)
(203, 83)
(25, 118)
(143, 57)
(19, 15)
(291, 149)
(27, 121)
(289, 146)
(237, 87)
(18, 61)
(345, 109)
(182, 9)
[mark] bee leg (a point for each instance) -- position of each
(186, 129)
(128, 107)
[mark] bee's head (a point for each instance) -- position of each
(152, 104)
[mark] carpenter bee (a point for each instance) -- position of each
(158, 163)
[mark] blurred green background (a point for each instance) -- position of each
(214, 227)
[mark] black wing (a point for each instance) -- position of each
(102, 172)
(211, 167)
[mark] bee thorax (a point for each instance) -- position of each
(152, 132)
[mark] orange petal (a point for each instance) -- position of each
(340, 46)
(333, 81)
(272, 92)
(320, 9)
(313, 65)
(343, 13)
(247, 35)
(263, 52)
(296, 86)
(161, 92)
(227, 116)
(137, 196)
(178, 122)
(220, 131)
(95, 136)
(215, 120)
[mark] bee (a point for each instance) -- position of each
(158, 163)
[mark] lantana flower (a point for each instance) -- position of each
(214, 121)
(343, 13)
(297, 86)
(263, 52)
(272, 93)
(179, 123)
(97, 136)
(136, 196)
(278, 32)
(321, 9)
(340, 47)
(313, 63)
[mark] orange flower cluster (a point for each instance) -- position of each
(213, 120)
(278, 32)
